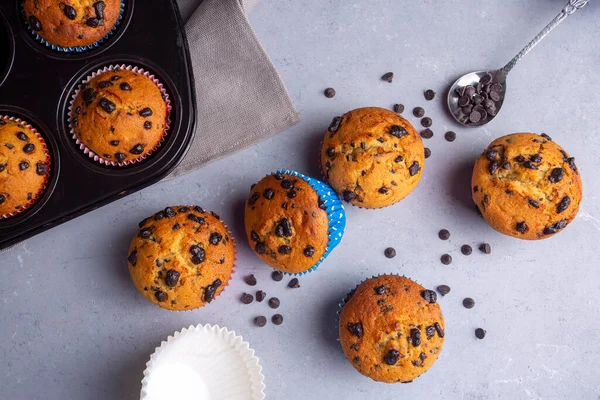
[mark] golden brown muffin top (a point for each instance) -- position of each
(181, 258)
(72, 23)
(120, 115)
(391, 329)
(24, 166)
(526, 186)
(286, 224)
(372, 157)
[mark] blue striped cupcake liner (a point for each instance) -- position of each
(335, 214)
(76, 49)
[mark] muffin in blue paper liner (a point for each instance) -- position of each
(72, 27)
(293, 221)
(391, 329)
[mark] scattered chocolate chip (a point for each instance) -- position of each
(415, 337)
(133, 257)
(429, 295)
(521, 227)
(556, 175)
(277, 319)
(277, 276)
(446, 259)
(398, 131)
(126, 87)
(563, 205)
(294, 283)
(485, 248)
(399, 108)
(450, 136)
(466, 249)
(443, 289)
(419, 112)
(107, 105)
(390, 252)
(274, 302)
(427, 152)
(426, 133)
(161, 296)
(480, 333)
(260, 296)
(247, 298)
(335, 125)
(349, 196)
(388, 77)
(414, 168)
(356, 329)
(468, 302)
(426, 122)
(444, 234)
(260, 321)
(429, 95)
(250, 280)
(137, 149)
(309, 251)
(329, 93)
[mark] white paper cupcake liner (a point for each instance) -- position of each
(48, 163)
(203, 362)
(115, 68)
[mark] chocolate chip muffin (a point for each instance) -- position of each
(120, 115)
(72, 23)
(24, 166)
(181, 258)
(372, 157)
(526, 186)
(286, 223)
(391, 329)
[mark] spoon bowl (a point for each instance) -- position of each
(472, 79)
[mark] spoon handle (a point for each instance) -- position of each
(570, 8)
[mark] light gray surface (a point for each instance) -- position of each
(72, 325)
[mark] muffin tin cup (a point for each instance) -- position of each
(203, 361)
(86, 150)
(76, 49)
(48, 162)
(335, 214)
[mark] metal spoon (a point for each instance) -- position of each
(497, 77)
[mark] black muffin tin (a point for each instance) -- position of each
(36, 84)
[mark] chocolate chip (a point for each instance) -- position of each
(536, 158)
(334, 125)
(172, 278)
(161, 296)
(480, 333)
(468, 302)
(419, 112)
(415, 337)
(133, 257)
(463, 101)
(429, 295)
(247, 298)
(429, 95)
(23, 165)
(446, 259)
(399, 108)
(250, 280)
(93, 22)
(470, 91)
(439, 329)
(147, 125)
(277, 276)
(274, 302)
(520, 158)
(331, 152)
(554, 228)
(390, 252)
(215, 238)
(485, 248)
(391, 358)
(521, 227)
(283, 228)
(383, 190)
(398, 131)
(427, 152)
(105, 84)
(260, 321)
(107, 105)
(184, 209)
(329, 93)
(309, 251)
(529, 165)
(493, 167)
(277, 319)
(414, 168)
(399, 159)
(254, 236)
(450, 136)
(379, 290)
(69, 12)
(284, 249)
(28, 148)
(544, 135)
(388, 77)
(287, 184)
(466, 249)
(349, 196)
(176, 227)
(198, 254)
(426, 122)
(475, 117)
(563, 205)
(556, 175)
(430, 332)
(137, 149)
(260, 295)
(253, 198)
(120, 157)
(260, 248)
(443, 289)
(99, 8)
(22, 136)
(211, 290)
(506, 165)
(291, 194)
(444, 234)
(145, 112)
(467, 109)
(35, 23)
(356, 329)
(571, 162)
(294, 283)
(126, 87)
(427, 133)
